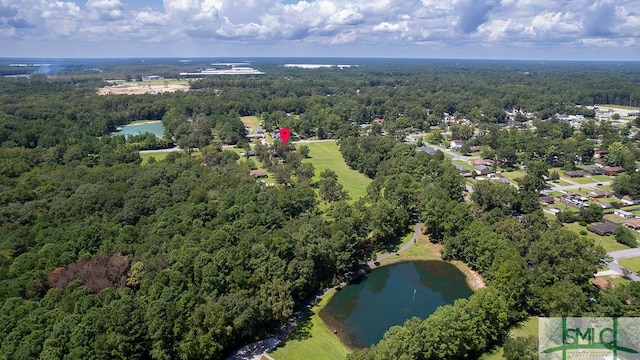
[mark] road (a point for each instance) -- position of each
(454, 155)
(615, 266)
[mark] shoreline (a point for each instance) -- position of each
(417, 249)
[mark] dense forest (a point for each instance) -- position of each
(190, 257)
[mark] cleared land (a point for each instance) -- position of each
(251, 121)
(326, 155)
(146, 87)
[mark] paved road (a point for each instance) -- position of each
(615, 266)
(416, 233)
(453, 154)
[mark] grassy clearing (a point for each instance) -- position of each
(618, 280)
(512, 175)
(326, 155)
(311, 339)
(609, 243)
(158, 156)
(250, 121)
(631, 264)
(618, 107)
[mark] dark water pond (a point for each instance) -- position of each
(363, 312)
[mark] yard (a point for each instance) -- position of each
(632, 264)
(609, 243)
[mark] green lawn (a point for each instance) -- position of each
(619, 107)
(250, 121)
(156, 155)
(561, 183)
(581, 180)
(512, 175)
(631, 264)
(607, 242)
(326, 155)
(602, 177)
(463, 163)
(618, 280)
(311, 339)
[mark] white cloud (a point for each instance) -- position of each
(329, 22)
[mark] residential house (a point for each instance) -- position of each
(600, 193)
(633, 224)
(627, 200)
(258, 174)
(594, 171)
(602, 229)
(577, 173)
(428, 149)
(611, 170)
(482, 170)
(465, 171)
(546, 199)
(485, 162)
(623, 214)
(604, 205)
(456, 145)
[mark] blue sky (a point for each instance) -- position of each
(484, 29)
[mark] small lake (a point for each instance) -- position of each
(388, 296)
(154, 127)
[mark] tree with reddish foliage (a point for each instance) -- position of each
(97, 274)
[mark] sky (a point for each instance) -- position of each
(459, 29)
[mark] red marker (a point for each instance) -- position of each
(284, 135)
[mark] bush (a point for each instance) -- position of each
(566, 217)
(625, 236)
(583, 232)
(583, 223)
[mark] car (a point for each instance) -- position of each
(599, 184)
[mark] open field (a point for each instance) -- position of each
(632, 264)
(250, 121)
(608, 106)
(326, 155)
(158, 156)
(609, 243)
(146, 87)
(311, 339)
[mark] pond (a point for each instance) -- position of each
(362, 312)
(154, 127)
